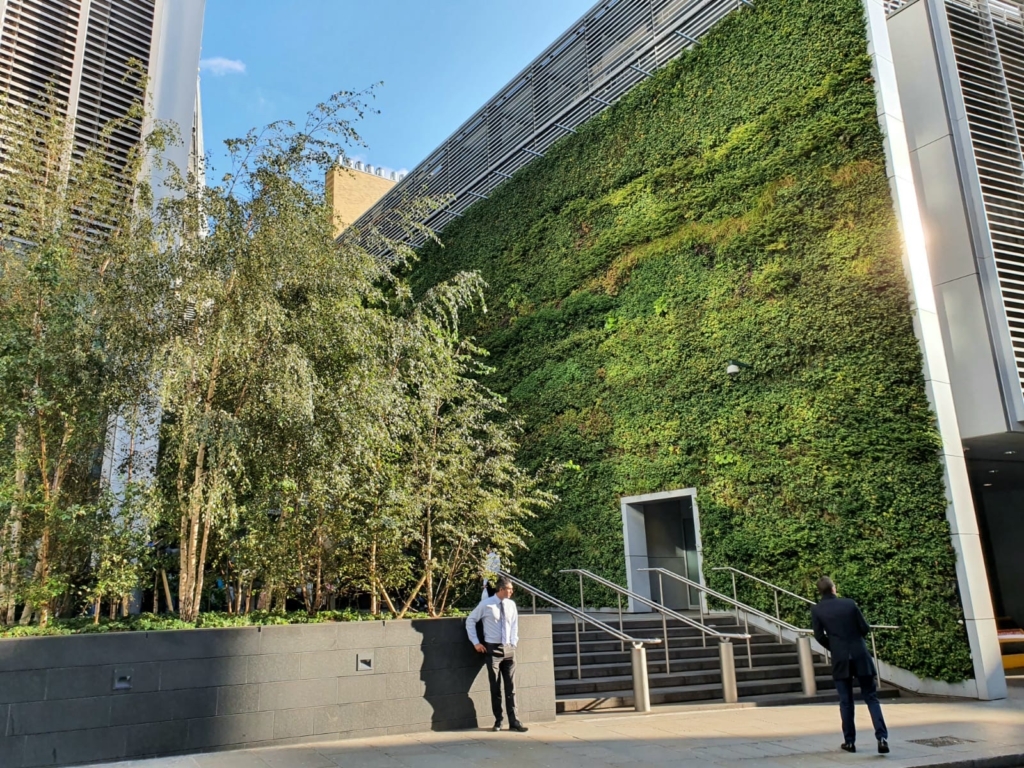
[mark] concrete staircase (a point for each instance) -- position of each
(693, 674)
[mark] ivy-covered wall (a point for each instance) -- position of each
(733, 206)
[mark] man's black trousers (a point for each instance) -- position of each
(844, 687)
(501, 669)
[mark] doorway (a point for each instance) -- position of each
(662, 530)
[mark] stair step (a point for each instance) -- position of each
(610, 644)
(624, 698)
(624, 666)
(565, 650)
(689, 678)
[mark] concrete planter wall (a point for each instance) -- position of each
(87, 698)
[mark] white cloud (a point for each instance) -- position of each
(219, 66)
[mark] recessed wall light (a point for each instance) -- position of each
(993, 471)
(987, 485)
(1009, 453)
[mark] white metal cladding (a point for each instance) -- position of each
(988, 45)
(614, 46)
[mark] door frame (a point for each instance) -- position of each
(634, 535)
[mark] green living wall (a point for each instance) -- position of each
(733, 206)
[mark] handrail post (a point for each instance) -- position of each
(807, 677)
(582, 609)
(777, 614)
(534, 596)
(874, 652)
(728, 663)
(664, 622)
(735, 597)
(579, 666)
(664, 631)
(641, 685)
(622, 643)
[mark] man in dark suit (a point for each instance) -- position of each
(840, 627)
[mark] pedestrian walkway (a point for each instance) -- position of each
(958, 732)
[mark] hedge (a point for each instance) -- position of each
(733, 206)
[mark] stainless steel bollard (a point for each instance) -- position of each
(803, 652)
(728, 661)
(641, 686)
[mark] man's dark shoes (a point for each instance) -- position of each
(518, 727)
(883, 747)
(497, 725)
(849, 747)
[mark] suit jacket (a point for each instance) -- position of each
(840, 627)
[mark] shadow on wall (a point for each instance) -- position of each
(452, 677)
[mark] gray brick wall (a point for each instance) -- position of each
(88, 698)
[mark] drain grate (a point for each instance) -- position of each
(942, 741)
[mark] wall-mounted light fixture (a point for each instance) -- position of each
(734, 366)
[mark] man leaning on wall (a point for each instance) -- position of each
(500, 619)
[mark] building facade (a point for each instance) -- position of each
(950, 102)
(80, 52)
(352, 188)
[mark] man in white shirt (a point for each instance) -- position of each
(500, 618)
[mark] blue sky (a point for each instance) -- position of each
(440, 60)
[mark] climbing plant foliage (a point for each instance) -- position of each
(734, 206)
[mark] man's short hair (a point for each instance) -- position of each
(501, 583)
(825, 586)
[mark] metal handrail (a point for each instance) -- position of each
(805, 658)
(663, 610)
(783, 590)
(747, 609)
(578, 615)
(776, 587)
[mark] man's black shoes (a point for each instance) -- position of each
(497, 726)
(849, 747)
(518, 727)
(883, 747)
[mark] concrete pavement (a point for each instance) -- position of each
(805, 736)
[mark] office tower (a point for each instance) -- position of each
(82, 49)
(959, 67)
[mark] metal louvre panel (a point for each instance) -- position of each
(988, 45)
(614, 46)
(38, 48)
(117, 32)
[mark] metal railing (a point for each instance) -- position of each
(777, 590)
(725, 638)
(641, 687)
(803, 643)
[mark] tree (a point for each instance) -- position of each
(68, 216)
(466, 491)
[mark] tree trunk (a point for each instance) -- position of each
(428, 567)
(263, 603)
(12, 544)
(374, 599)
(29, 609)
(167, 591)
(44, 570)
